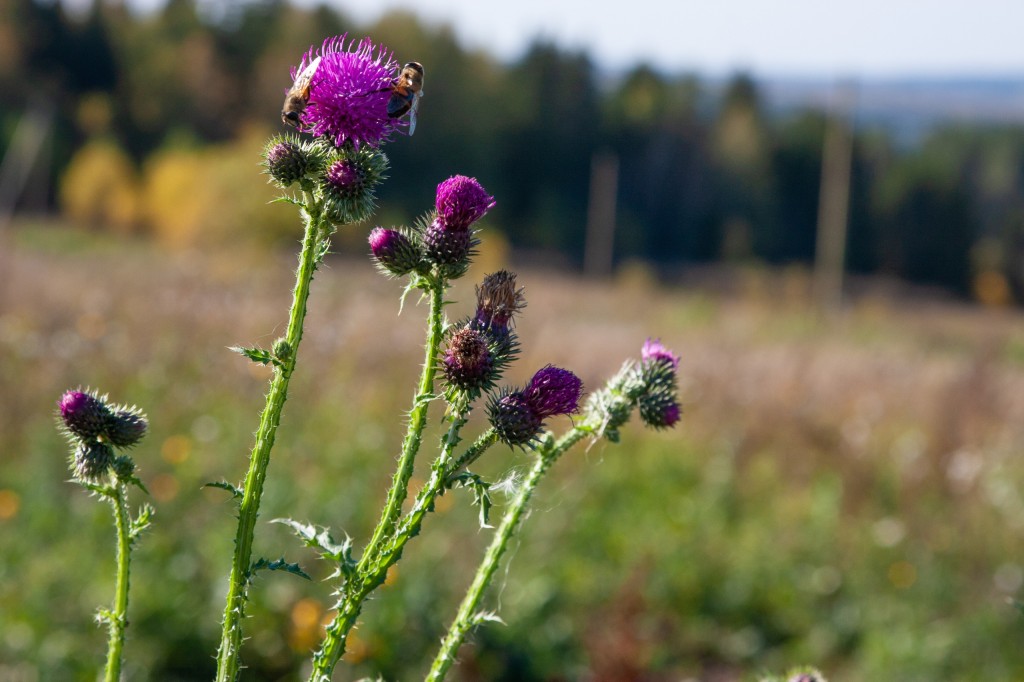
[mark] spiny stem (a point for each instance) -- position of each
(118, 618)
(370, 572)
(467, 616)
(414, 433)
(231, 634)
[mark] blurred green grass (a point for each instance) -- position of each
(841, 491)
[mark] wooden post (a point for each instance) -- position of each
(598, 252)
(834, 203)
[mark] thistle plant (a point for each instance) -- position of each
(333, 177)
(98, 434)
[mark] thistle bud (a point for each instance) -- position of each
(85, 415)
(394, 251)
(514, 419)
(92, 460)
(659, 410)
(124, 467)
(349, 183)
(126, 427)
(448, 248)
(286, 161)
(468, 363)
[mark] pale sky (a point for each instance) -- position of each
(814, 37)
(798, 37)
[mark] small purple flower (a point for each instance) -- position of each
(554, 390)
(349, 91)
(656, 351)
(84, 414)
(461, 201)
(518, 416)
(394, 251)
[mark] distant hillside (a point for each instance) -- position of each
(908, 107)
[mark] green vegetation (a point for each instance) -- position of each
(844, 493)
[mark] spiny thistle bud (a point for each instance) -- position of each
(461, 201)
(286, 160)
(126, 427)
(85, 415)
(350, 180)
(394, 251)
(92, 460)
(468, 363)
(124, 467)
(659, 410)
(514, 419)
(519, 415)
(448, 248)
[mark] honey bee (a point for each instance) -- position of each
(298, 95)
(406, 92)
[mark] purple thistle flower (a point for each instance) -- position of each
(446, 246)
(394, 251)
(554, 390)
(84, 414)
(349, 92)
(461, 201)
(656, 351)
(518, 416)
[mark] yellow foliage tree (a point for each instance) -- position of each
(100, 188)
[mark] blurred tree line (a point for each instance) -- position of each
(160, 118)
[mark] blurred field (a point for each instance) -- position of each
(844, 492)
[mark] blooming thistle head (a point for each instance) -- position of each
(460, 202)
(395, 251)
(518, 416)
(349, 92)
(655, 351)
(349, 182)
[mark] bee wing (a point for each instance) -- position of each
(412, 112)
(306, 75)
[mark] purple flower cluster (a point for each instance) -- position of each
(518, 416)
(659, 407)
(349, 91)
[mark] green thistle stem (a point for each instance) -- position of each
(118, 618)
(234, 610)
(370, 573)
(414, 434)
(384, 556)
(468, 616)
